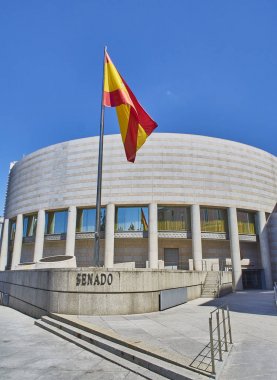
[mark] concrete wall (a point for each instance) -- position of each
(171, 168)
(84, 251)
(27, 252)
(53, 248)
(37, 292)
(272, 227)
(216, 249)
(251, 251)
(184, 246)
(126, 250)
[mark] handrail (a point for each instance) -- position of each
(220, 340)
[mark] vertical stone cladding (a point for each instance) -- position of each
(17, 241)
(235, 248)
(264, 248)
(109, 236)
(39, 242)
(71, 231)
(196, 237)
(272, 231)
(153, 253)
(4, 245)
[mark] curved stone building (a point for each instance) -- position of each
(188, 202)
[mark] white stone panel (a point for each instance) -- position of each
(170, 168)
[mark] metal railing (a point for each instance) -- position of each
(4, 298)
(275, 292)
(220, 341)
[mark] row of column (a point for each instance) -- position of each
(152, 240)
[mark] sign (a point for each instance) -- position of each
(85, 279)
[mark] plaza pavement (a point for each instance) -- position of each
(28, 352)
(184, 329)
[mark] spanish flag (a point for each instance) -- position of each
(143, 220)
(135, 124)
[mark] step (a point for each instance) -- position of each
(173, 358)
(210, 286)
(114, 351)
(143, 372)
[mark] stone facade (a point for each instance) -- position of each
(171, 169)
(91, 291)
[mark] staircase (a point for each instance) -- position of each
(147, 362)
(211, 285)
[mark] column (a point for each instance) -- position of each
(71, 231)
(4, 245)
(38, 252)
(153, 236)
(109, 236)
(235, 248)
(196, 237)
(264, 248)
(17, 241)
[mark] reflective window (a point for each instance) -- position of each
(12, 229)
(246, 222)
(173, 218)
(86, 220)
(56, 222)
(213, 219)
(131, 219)
(29, 225)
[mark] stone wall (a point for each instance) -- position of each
(170, 169)
(27, 252)
(272, 227)
(91, 291)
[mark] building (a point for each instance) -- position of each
(190, 202)
(1, 225)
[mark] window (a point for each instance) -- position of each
(12, 229)
(29, 225)
(56, 222)
(246, 222)
(86, 219)
(131, 219)
(213, 219)
(173, 218)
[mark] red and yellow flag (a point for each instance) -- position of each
(135, 124)
(143, 220)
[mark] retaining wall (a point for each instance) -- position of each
(91, 291)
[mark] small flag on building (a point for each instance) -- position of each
(135, 124)
(143, 221)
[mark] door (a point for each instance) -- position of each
(252, 279)
(171, 258)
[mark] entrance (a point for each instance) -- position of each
(171, 258)
(252, 278)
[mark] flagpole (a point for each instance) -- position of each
(99, 177)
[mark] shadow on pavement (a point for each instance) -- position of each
(259, 302)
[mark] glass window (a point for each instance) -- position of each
(131, 219)
(213, 219)
(29, 225)
(173, 218)
(246, 222)
(12, 229)
(56, 222)
(86, 220)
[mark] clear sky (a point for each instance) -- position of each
(198, 66)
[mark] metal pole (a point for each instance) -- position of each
(218, 335)
(212, 343)
(229, 325)
(99, 177)
(224, 329)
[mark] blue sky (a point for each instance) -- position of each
(198, 66)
